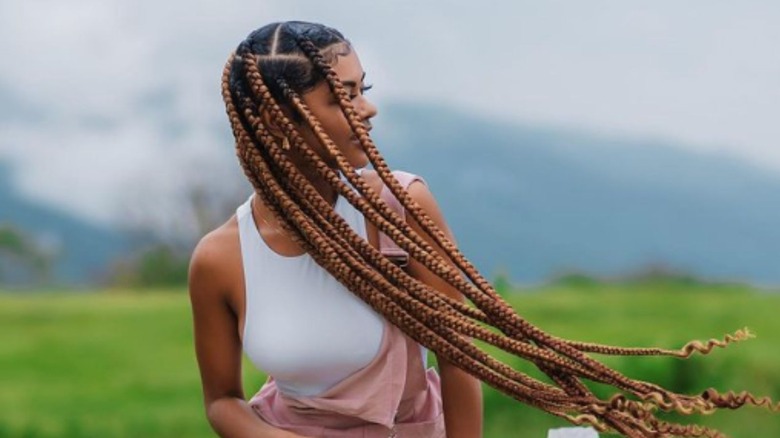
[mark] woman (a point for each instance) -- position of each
(332, 277)
(222, 284)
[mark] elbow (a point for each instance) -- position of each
(217, 411)
(211, 409)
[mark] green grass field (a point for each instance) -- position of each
(121, 363)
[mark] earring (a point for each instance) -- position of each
(285, 144)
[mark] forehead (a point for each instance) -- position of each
(348, 67)
(349, 71)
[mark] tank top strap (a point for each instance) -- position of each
(388, 247)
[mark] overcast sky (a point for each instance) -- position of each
(94, 93)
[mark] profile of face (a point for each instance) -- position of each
(324, 105)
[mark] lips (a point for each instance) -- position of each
(354, 138)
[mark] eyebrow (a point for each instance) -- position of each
(353, 84)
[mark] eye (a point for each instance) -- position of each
(363, 90)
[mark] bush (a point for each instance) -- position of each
(157, 266)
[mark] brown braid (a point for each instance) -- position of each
(441, 323)
(376, 256)
(315, 127)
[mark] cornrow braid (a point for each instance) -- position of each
(441, 323)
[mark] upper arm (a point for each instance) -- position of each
(217, 345)
(420, 192)
(460, 391)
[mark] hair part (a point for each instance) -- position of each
(279, 56)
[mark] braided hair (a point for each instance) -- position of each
(263, 83)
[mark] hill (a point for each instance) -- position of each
(526, 201)
(533, 202)
(80, 251)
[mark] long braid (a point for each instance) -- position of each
(339, 220)
(260, 88)
(335, 85)
(386, 261)
(546, 371)
(409, 204)
(494, 303)
(304, 110)
(652, 392)
(488, 299)
(443, 324)
(300, 106)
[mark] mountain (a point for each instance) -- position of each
(530, 202)
(80, 251)
(535, 202)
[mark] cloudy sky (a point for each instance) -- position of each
(103, 100)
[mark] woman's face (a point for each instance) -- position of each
(325, 107)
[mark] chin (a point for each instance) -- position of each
(359, 160)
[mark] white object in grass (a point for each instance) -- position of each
(572, 432)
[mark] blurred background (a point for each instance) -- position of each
(598, 161)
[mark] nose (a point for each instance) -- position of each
(365, 108)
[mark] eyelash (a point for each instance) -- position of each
(363, 89)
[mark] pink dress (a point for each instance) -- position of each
(392, 396)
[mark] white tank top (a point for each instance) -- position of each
(301, 325)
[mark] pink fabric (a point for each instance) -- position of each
(392, 396)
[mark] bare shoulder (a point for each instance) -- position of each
(419, 186)
(421, 193)
(372, 179)
(214, 259)
(211, 248)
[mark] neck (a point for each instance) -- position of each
(328, 193)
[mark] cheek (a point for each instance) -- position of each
(334, 122)
(310, 139)
(338, 127)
